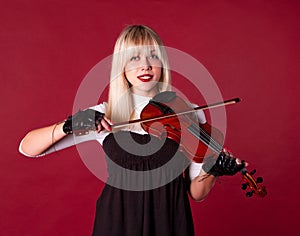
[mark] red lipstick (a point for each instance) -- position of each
(145, 77)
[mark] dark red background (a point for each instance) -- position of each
(249, 47)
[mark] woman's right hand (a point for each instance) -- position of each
(105, 123)
(84, 121)
(37, 141)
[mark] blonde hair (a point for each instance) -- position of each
(132, 38)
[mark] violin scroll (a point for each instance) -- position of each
(254, 185)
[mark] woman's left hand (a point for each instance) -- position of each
(226, 164)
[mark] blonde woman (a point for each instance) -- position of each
(144, 193)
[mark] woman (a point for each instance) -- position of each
(135, 201)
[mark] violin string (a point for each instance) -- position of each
(217, 145)
(212, 142)
(205, 137)
(206, 142)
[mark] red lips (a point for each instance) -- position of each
(145, 77)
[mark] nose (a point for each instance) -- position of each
(145, 64)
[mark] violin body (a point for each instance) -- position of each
(183, 129)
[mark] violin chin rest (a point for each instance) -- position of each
(164, 97)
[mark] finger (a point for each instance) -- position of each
(232, 163)
(226, 162)
(225, 149)
(240, 162)
(107, 120)
(98, 128)
(105, 125)
(245, 164)
(227, 152)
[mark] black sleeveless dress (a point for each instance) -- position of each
(137, 202)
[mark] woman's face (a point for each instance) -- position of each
(143, 71)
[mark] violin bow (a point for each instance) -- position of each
(204, 107)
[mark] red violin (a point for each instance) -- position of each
(169, 116)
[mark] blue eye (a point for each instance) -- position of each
(135, 58)
(153, 56)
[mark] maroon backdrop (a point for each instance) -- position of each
(249, 47)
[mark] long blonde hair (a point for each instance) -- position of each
(132, 38)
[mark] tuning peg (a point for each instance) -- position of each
(249, 194)
(253, 172)
(259, 180)
(244, 186)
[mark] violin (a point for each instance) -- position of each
(196, 140)
(169, 116)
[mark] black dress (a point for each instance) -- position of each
(156, 203)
